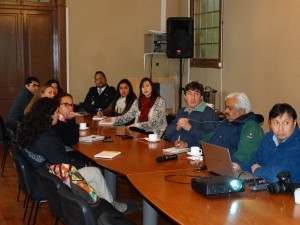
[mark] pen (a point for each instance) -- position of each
(178, 141)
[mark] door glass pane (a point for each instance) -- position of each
(216, 35)
(207, 29)
(215, 51)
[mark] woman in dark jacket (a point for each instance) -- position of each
(41, 145)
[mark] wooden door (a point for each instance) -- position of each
(11, 58)
(38, 44)
(32, 43)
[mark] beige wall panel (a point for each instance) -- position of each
(261, 53)
(108, 36)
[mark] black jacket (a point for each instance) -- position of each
(68, 131)
(16, 114)
(93, 102)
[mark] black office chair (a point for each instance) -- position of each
(26, 181)
(76, 210)
(51, 183)
(14, 147)
(4, 138)
(260, 118)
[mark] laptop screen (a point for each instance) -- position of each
(217, 159)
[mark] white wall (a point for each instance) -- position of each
(109, 36)
(261, 53)
(261, 47)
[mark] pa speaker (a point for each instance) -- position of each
(180, 37)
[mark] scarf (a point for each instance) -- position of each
(145, 108)
(120, 105)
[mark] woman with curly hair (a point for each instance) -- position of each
(41, 146)
(149, 110)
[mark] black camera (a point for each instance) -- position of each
(284, 185)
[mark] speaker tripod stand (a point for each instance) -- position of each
(180, 83)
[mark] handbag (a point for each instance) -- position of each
(79, 186)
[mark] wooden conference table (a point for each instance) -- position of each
(137, 156)
(179, 201)
(185, 206)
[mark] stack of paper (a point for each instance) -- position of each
(104, 123)
(98, 118)
(80, 113)
(174, 150)
(91, 138)
(107, 154)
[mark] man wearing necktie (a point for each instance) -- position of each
(99, 91)
(99, 96)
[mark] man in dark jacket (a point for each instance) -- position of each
(280, 148)
(68, 130)
(66, 126)
(16, 114)
(240, 131)
(194, 121)
(100, 96)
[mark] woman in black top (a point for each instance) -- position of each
(42, 145)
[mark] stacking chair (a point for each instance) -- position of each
(51, 183)
(26, 184)
(4, 138)
(76, 210)
(15, 147)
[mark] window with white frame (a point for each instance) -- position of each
(207, 16)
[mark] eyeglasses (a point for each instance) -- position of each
(101, 78)
(34, 85)
(67, 105)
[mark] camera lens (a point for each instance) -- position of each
(273, 188)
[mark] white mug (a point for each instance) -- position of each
(195, 150)
(297, 196)
(82, 126)
(152, 137)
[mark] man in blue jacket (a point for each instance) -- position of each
(280, 148)
(193, 122)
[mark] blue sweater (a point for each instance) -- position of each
(275, 159)
(203, 122)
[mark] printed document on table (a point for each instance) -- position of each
(98, 118)
(91, 138)
(174, 150)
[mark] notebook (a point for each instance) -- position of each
(107, 154)
(91, 138)
(218, 161)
